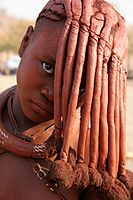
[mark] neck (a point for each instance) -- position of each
(22, 121)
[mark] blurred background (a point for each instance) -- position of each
(16, 15)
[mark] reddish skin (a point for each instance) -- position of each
(24, 182)
(27, 180)
(34, 84)
(42, 86)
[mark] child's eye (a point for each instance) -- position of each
(48, 68)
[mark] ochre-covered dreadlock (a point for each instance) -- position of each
(93, 47)
(95, 33)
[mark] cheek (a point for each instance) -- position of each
(27, 73)
(22, 73)
(51, 83)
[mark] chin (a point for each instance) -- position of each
(37, 116)
(39, 119)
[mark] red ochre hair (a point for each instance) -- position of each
(88, 50)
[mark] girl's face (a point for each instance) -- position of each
(35, 77)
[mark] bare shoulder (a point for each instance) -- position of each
(12, 169)
(18, 179)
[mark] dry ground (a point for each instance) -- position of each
(7, 81)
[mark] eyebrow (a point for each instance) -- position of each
(49, 59)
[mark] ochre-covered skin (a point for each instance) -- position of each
(89, 56)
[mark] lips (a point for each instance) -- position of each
(42, 107)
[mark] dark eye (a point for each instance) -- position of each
(48, 68)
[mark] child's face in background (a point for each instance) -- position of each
(35, 77)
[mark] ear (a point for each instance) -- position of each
(25, 41)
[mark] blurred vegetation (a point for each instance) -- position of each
(11, 31)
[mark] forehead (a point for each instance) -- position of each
(46, 37)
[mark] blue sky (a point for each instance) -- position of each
(30, 8)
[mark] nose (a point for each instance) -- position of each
(48, 92)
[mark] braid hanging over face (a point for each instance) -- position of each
(90, 78)
(93, 46)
